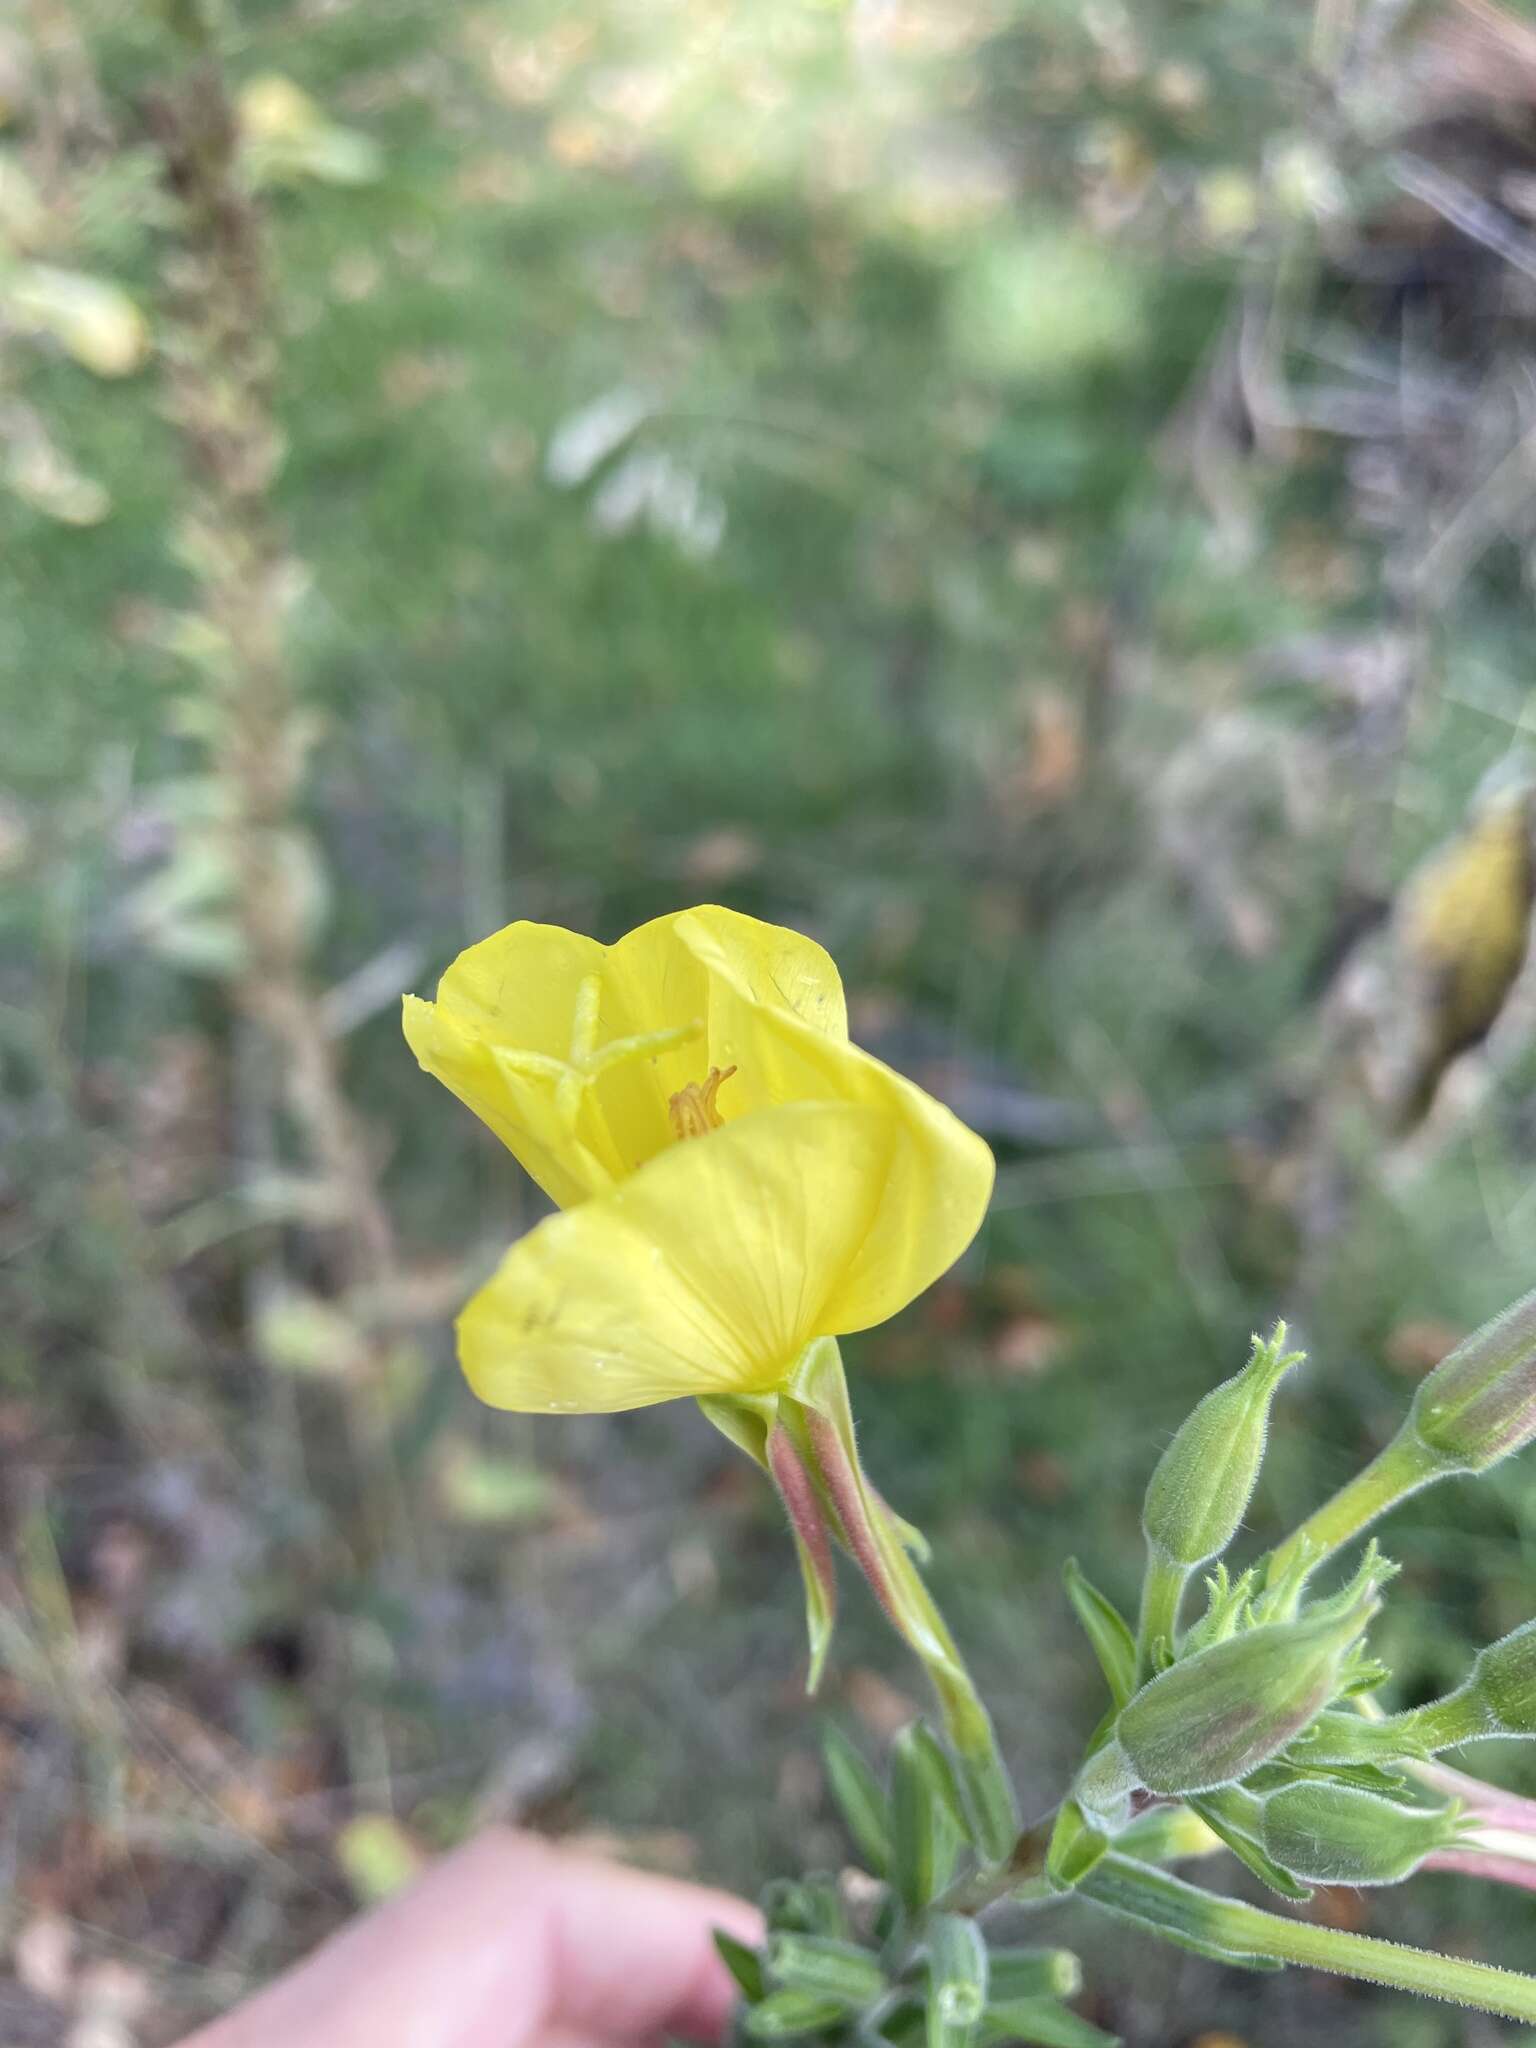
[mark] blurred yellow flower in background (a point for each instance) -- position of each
(737, 1178)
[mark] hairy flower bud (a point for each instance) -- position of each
(1338, 1834)
(1504, 1678)
(1213, 1717)
(1479, 1404)
(1200, 1491)
(1498, 1697)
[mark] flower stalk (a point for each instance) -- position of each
(1183, 1913)
(821, 1418)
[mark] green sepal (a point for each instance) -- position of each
(784, 2014)
(1043, 2024)
(1368, 1777)
(1225, 1815)
(744, 1964)
(746, 1420)
(820, 1614)
(1227, 1601)
(908, 1535)
(859, 1799)
(924, 1831)
(824, 1967)
(1075, 1847)
(1032, 1973)
(1345, 1738)
(1106, 1629)
(957, 1980)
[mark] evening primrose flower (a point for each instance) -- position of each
(737, 1180)
(738, 1186)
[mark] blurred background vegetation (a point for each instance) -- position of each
(1040, 495)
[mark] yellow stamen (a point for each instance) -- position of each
(692, 1109)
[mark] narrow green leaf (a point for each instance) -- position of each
(1044, 2024)
(784, 2014)
(744, 1964)
(1075, 1848)
(1113, 1643)
(1033, 1973)
(957, 1980)
(1171, 1909)
(825, 1968)
(924, 1832)
(937, 1766)
(860, 1801)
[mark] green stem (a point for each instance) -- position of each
(1401, 1468)
(1162, 1590)
(1021, 1878)
(817, 1414)
(1461, 1716)
(1182, 1912)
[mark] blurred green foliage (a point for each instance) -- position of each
(802, 455)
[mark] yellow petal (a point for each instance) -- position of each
(733, 992)
(521, 1110)
(940, 1178)
(519, 992)
(706, 1273)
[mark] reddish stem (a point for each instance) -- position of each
(842, 1484)
(1479, 1863)
(797, 1490)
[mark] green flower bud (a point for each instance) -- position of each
(1213, 1717)
(1335, 1834)
(1200, 1491)
(1479, 1404)
(1498, 1698)
(1504, 1678)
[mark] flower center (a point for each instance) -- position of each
(692, 1109)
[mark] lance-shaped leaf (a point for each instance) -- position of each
(1113, 1643)
(1025, 1973)
(924, 1832)
(1076, 1846)
(859, 1799)
(1044, 2025)
(744, 1964)
(824, 1967)
(957, 1980)
(784, 2015)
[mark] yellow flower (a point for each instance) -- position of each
(737, 1180)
